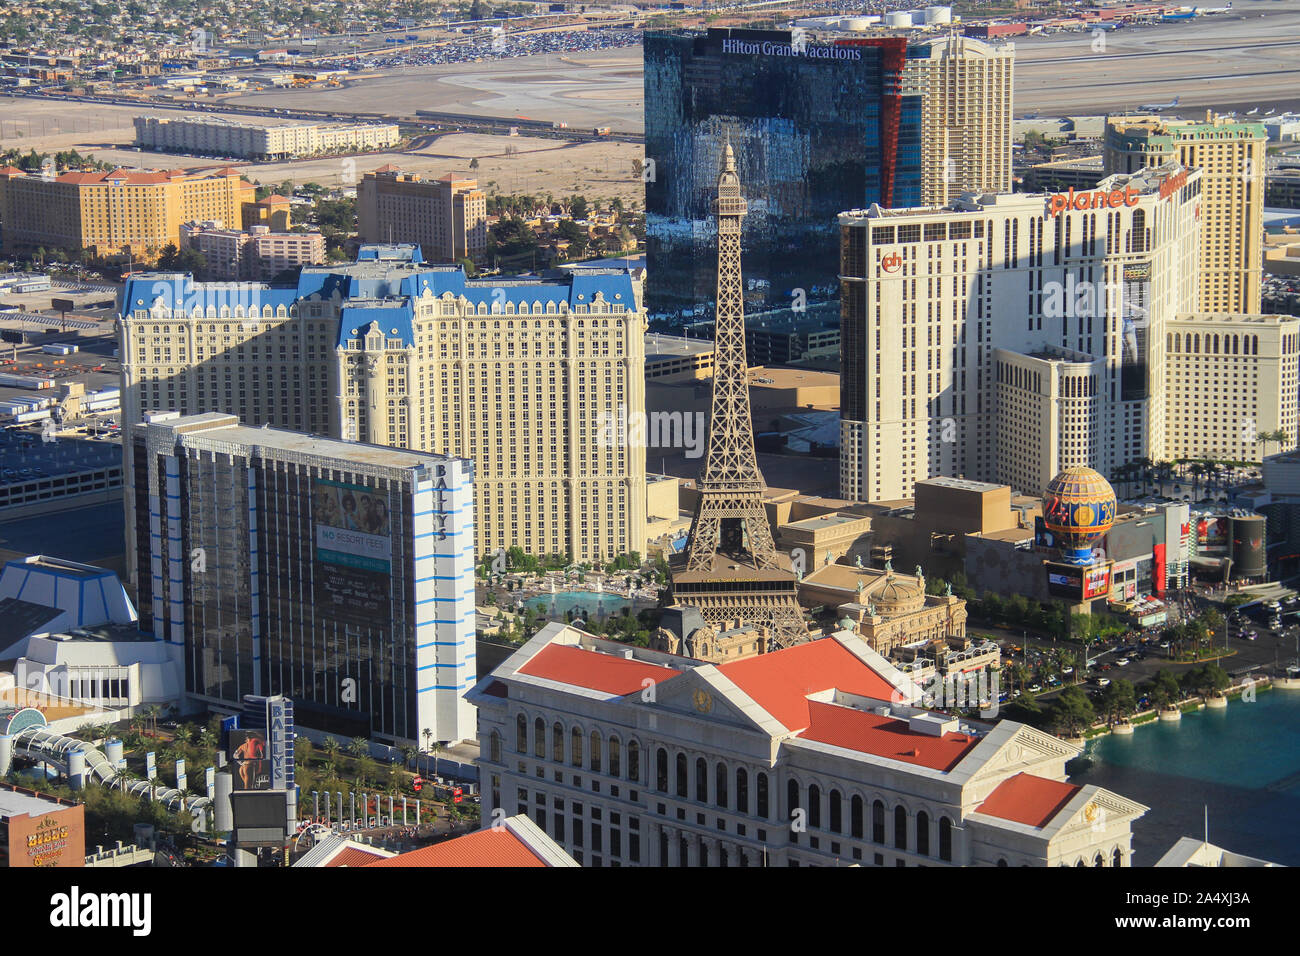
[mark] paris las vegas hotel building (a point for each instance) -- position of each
(1004, 337)
(513, 373)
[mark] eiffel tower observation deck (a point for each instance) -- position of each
(732, 570)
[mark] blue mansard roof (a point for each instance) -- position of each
(383, 285)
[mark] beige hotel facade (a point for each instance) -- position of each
(1230, 155)
(966, 115)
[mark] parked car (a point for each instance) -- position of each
(1101, 681)
(1122, 662)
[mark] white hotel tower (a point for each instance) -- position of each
(953, 317)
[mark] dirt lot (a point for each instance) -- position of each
(512, 164)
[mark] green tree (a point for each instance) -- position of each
(1072, 712)
(1118, 699)
(1163, 688)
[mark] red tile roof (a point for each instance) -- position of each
(1028, 799)
(272, 199)
(493, 847)
(885, 737)
(353, 856)
(595, 671)
(780, 682)
(11, 171)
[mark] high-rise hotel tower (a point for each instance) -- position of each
(932, 296)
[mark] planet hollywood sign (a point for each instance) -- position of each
(808, 50)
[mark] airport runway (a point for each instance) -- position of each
(1237, 61)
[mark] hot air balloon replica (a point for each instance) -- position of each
(1078, 509)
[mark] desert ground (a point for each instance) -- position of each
(1241, 61)
(514, 164)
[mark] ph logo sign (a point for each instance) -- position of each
(891, 263)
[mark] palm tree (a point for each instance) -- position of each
(1197, 470)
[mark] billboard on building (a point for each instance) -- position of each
(251, 759)
(1212, 534)
(1078, 582)
(1135, 308)
(354, 551)
(50, 839)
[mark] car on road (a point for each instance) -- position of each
(1249, 636)
(1122, 662)
(1035, 688)
(1101, 681)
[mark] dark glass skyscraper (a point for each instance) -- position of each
(817, 128)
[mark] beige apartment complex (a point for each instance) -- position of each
(210, 136)
(118, 213)
(1231, 157)
(1231, 379)
(256, 253)
(966, 115)
(445, 217)
(521, 375)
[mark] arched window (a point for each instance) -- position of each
(1099, 860)
(760, 784)
(815, 806)
(661, 770)
(742, 790)
(595, 751)
(633, 761)
(720, 785)
(791, 797)
(923, 833)
(878, 822)
(837, 813)
(701, 780)
(1081, 863)
(575, 747)
(494, 747)
(521, 734)
(855, 817)
(615, 758)
(1001, 861)
(1117, 858)
(539, 738)
(681, 775)
(945, 839)
(900, 827)
(557, 742)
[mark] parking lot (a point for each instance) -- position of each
(25, 455)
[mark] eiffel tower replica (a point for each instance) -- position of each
(732, 570)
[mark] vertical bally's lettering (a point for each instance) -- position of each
(440, 503)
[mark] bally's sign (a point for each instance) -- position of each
(796, 48)
(279, 727)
